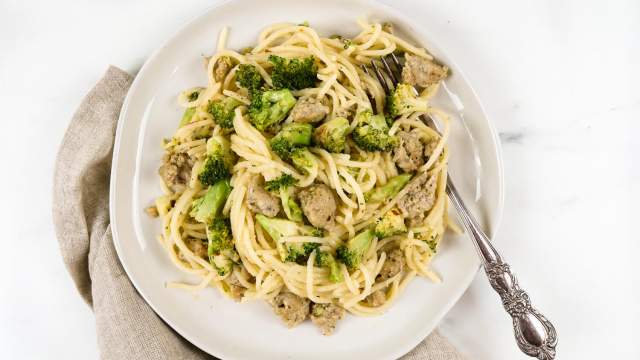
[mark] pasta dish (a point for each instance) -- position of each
(293, 177)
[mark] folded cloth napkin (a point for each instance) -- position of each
(127, 328)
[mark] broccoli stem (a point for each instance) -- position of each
(290, 206)
(210, 205)
(388, 190)
(353, 251)
(187, 116)
(325, 259)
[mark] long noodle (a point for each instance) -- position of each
(343, 86)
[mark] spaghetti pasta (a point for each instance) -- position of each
(257, 263)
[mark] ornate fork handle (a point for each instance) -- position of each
(536, 336)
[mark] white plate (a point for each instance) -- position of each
(230, 330)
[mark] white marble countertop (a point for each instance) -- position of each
(558, 78)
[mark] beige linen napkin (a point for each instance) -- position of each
(127, 328)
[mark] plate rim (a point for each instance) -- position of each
(494, 223)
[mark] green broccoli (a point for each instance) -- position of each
(404, 100)
(291, 136)
(187, 116)
(210, 205)
(303, 160)
(213, 170)
(249, 77)
(219, 235)
(433, 243)
(299, 252)
(294, 74)
(207, 209)
(270, 107)
(332, 135)
(290, 205)
(325, 259)
(284, 180)
(282, 186)
(223, 111)
(279, 229)
(193, 96)
(223, 262)
(222, 253)
(372, 132)
(352, 252)
(219, 162)
(388, 190)
(392, 223)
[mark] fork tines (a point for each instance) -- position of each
(389, 74)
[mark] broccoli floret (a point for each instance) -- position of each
(294, 74)
(282, 186)
(352, 252)
(223, 262)
(219, 236)
(372, 132)
(291, 136)
(303, 160)
(219, 162)
(193, 96)
(223, 111)
(388, 190)
(332, 135)
(433, 243)
(285, 180)
(209, 206)
(213, 170)
(392, 223)
(187, 116)
(403, 100)
(270, 107)
(299, 252)
(325, 259)
(279, 229)
(249, 77)
(290, 206)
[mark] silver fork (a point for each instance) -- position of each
(535, 335)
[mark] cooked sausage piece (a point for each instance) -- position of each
(260, 201)
(430, 147)
(422, 72)
(409, 154)
(309, 110)
(392, 265)
(292, 308)
(176, 170)
(419, 198)
(235, 287)
(325, 316)
(318, 205)
(376, 298)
